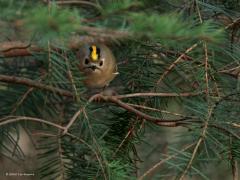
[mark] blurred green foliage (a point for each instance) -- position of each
(149, 39)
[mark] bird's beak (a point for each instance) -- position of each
(93, 67)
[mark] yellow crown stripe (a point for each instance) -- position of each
(94, 54)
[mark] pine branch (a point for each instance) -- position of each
(176, 62)
(74, 2)
(12, 119)
(17, 48)
(150, 94)
(95, 35)
(155, 120)
(162, 161)
(31, 83)
(155, 55)
(105, 34)
(159, 110)
(116, 100)
(25, 95)
(210, 109)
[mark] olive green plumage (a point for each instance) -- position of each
(98, 64)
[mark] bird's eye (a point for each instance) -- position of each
(100, 63)
(98, 51)
(86, 61)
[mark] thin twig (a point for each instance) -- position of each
(192, 158)
(125, 138)
(71, 78)
(159, 110)
(199, 142)
(206, 67)
(93, 150)
(43, 134)
(23, 118)
(205, 51)
(175, 63)
(235, 125)
(236, 21)
(235, 170)
(163, 161)
(25, 96)
(16, 145)
(72, 120)
(61, 156)
(233, 161)
(224, 130)
(204, 131)
(150, 94)
(76, 115)
(166, 73)
(72, 2)
(22, 99)
(229, 70)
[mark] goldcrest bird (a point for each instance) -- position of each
(98, 64)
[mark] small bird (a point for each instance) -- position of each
(98, 65)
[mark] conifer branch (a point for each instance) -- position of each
(129, 133)
(210, 109)
(162, 161)
(12, 119)
(18, 48)
(176, 62)
(103, 35)
(158, 110)
(31, 83)
(150, 94)
(74, 2)
(155, 120)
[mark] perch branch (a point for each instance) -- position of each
(116, 100)
(31, 83)
(155, 120)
